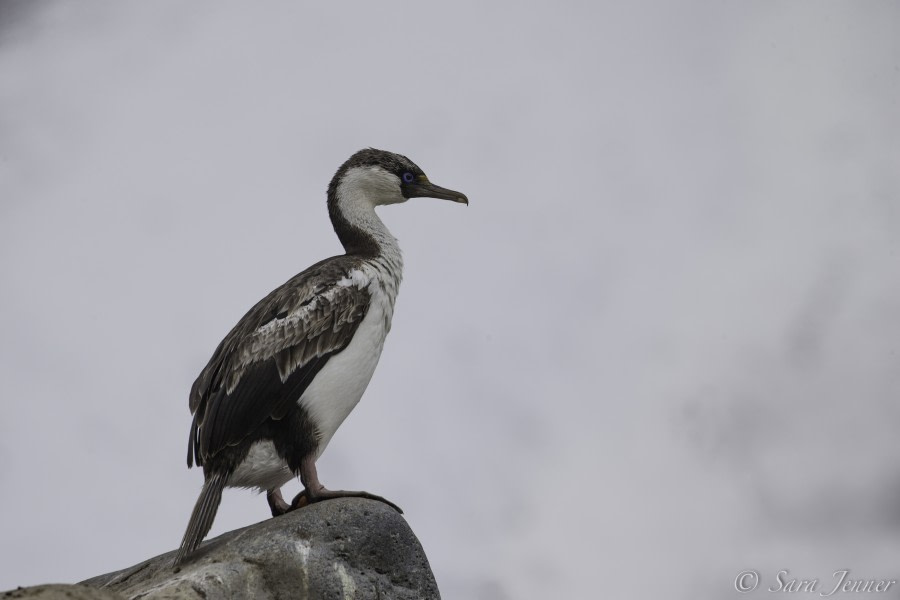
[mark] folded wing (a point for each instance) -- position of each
(265, 363)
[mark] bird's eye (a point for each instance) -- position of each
(408, 177)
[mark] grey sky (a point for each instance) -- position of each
(659, 347)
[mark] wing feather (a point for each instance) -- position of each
(268, 359)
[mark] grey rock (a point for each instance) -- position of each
(60, 591)
(343, 548)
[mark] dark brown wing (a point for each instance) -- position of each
(270, 357)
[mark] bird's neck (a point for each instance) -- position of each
(361, 231)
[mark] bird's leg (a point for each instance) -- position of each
(314, 491)
(276, 502)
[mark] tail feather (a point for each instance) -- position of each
(203, 515)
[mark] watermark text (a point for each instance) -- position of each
(840, 582)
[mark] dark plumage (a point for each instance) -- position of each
(272, 395)
(241, 387)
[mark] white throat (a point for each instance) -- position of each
(362, 189)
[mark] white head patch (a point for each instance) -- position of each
(370, 185)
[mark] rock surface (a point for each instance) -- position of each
(343, 548)
(58, 591)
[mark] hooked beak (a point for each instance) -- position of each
(422, 188)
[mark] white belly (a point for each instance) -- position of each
(333, 393)
(262, 469)
(337, 388)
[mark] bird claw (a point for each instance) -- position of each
(277, 503)
(300, 500)
(305, 498)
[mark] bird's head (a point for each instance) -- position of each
(378, 177)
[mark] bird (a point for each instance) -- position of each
(289, 372)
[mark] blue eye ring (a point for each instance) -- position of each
(408, 177)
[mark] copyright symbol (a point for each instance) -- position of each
(746, 581)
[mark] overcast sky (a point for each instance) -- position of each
(660, 346)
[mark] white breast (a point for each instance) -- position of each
(340, 384)
(337, 387)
